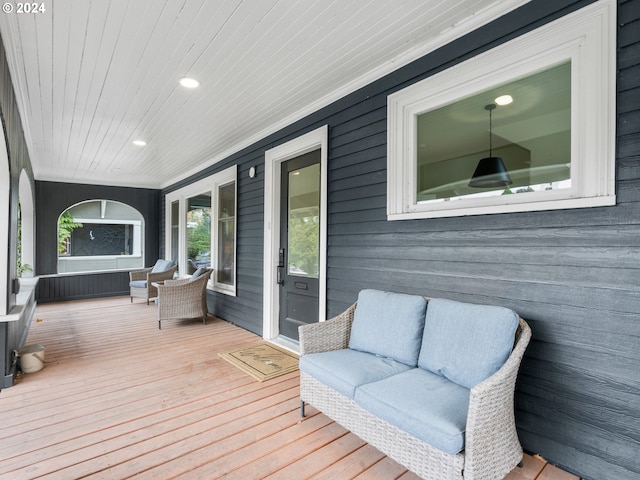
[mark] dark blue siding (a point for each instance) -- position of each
(12, 334)
(53, 198)
(573, 274)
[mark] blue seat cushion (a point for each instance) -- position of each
(464, 342)
(428, 406)
(162, 266)
(344, 370)
(389, 324)
(138, 284)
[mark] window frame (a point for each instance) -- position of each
(138, 240)
(586, 38)
(137, 237)
(211, 184)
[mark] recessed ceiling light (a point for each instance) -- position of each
(189, 82)
(504, 100)
(140, 143)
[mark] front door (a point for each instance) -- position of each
(299, 253)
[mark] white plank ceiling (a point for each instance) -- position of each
(91, 76)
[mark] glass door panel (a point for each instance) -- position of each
(304, 221)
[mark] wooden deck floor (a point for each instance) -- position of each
(119, 398)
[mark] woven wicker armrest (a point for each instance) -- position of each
(325, 336)
(177, 281)
(491, 418)
(139, 274)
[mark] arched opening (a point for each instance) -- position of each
(100, 235)
(26, 227)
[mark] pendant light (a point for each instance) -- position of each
(490, 171)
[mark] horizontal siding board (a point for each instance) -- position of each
(628, 78)
(628, 101)
(347, 130)
(502, 290)
(363, 144)
(600, 397)
(600, 219)
(629, 168)
(629, 145)
(569, 430)
(76, 287)
(563, 264)
(628, 192)
(628, 123)
(591, 363)
(374, 129)
(377, 154)
(587, 237)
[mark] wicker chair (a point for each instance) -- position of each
(141, 281)
(492, 447)
(183, 298)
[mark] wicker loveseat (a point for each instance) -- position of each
(430, 383)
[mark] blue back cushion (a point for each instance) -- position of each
(466, 343)
(389, 324)
(162, 266)
(197, 273)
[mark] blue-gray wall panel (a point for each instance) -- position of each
(53, 198)
(13, 334)
(573, 274)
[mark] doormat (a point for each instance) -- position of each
(263, 361)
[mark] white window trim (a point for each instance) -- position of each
(137, 236)
(220, 180)
(209, 184)
(587, 38)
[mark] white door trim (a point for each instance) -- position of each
(273, 160)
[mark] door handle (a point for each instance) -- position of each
(280, 276)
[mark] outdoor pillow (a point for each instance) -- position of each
(162, 266)
(389, 324)
(464, 342)
(197, 273)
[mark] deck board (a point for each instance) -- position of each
(120, 398)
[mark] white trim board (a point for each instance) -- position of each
(273, 160)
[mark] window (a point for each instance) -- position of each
(201, 228)
(198, 232)
(100, 235)
(226, 234)
(542, 103)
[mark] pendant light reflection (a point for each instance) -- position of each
(490, 171)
